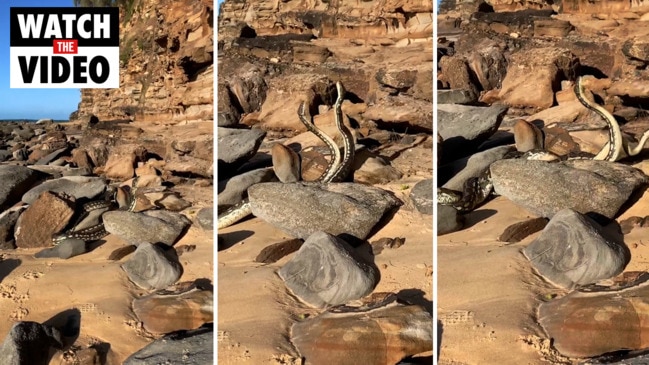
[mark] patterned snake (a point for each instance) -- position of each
(337, 169)
(84, 229)
(477, 189)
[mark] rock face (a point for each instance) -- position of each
(49, 214)
(183, 347)
(172, 40)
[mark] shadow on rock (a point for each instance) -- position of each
(69, 323)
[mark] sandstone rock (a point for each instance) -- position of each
(573, 250)
(582, 185)
(374, 170)
(456, 96)
(302, 209)
(636, 49)
(381, 336)
(468, 167)
(50, 156)
(120, 166)
(16, 180)
(448, 220)
(64, 250)
(152, 268)
(422, 196)
(77, 186)
(236, 146)
(488, 64)
(552, 28)
(47, 215)
(193, 347)
(233, 190)
(8, 221)
(456, 72)
(150, 226)
(168, 312)
(326, 271)
(400, 109)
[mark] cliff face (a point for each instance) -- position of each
(166, 65)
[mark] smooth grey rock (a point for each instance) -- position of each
(472, 166)
(236, 146)
(76, 186)
(60, 171)
(234, 190)
(574, 250)
(302, 209)
(448, 220)
(151, 226)
(16, 180)
(583, 185)
(456, 96)
(422, 196)
(194, 347)
(30, 343)
(326, 271)
(5, 155)
(152, 268)
(205, 218)
(51, 157)
(64, 250)
(464, 128)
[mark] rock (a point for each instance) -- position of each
(205, 218)
(59, 171)
(471, 166)
(449, 220)
(168, 312)
(583, 185)
(79, 187)
(636, 49)
(277, 251)
(375, 169)
(120, 166)
(45, 121)
(236, 146)
(47, 215)
(574, 250)
(168, 201)
(302, 209)
(402, 109)
(8, 221)
(30, 343)
(16, 180)
(286, 163)
(518, 231)
(456, 96)
(64, 250)
(151, 226)
(464, 128)
(193, 347)
(455, 71)
(5, 155)
(488, 64)
(422, 196)
(552, 28)
(381, 336)
(234, 190)
(586, 324)
(152, 268)
(51, 156)
(326, 271)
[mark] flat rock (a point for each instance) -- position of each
(590, 324)
(47, 215)
(382, 336)
(30, 343)
(77, 186)
(16, 180)
(51, 156)
(64, 250)
(168, 312)
(459, 171)
(422, 196)
(234, 190)
(583, 185)
(303, 209)
(327, 271)
(195, 347)
(151, 267)
(236, 146)
(449, 220)
(205, 218)
(456, 96)
(574, 250)
(464, 128)
(151, 226)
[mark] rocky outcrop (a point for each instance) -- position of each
(166, 65)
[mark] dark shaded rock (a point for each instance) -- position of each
(64, 250)
(472, 166)
(456, 96)
(574, 250)
(449, 220)
(30, 343)
(422, 196)
(382, 336)
(583, 185)
(455, 71)
(326, 271)
(51, 156)
(5, 155)
(386, 242)
(8, 221)
(630, 223)
(16, 180)
(277, 251)
(302, 209)
(151, 267)
(48, 215)
(464, 128)
(236, 146)
(76, 186)
(173, 311)
(121, 252)
(205, 218)
(193, 347)
(151, 226)
(518, 231)
(234, 190)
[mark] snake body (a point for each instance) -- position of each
(477, 189)
(337, 169)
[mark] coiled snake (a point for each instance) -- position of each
(337, 169)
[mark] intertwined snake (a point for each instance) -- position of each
(122, 199)
(337, 169)
(477, 189)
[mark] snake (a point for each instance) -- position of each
(337, 169)
(123, 199)
(477, 189)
